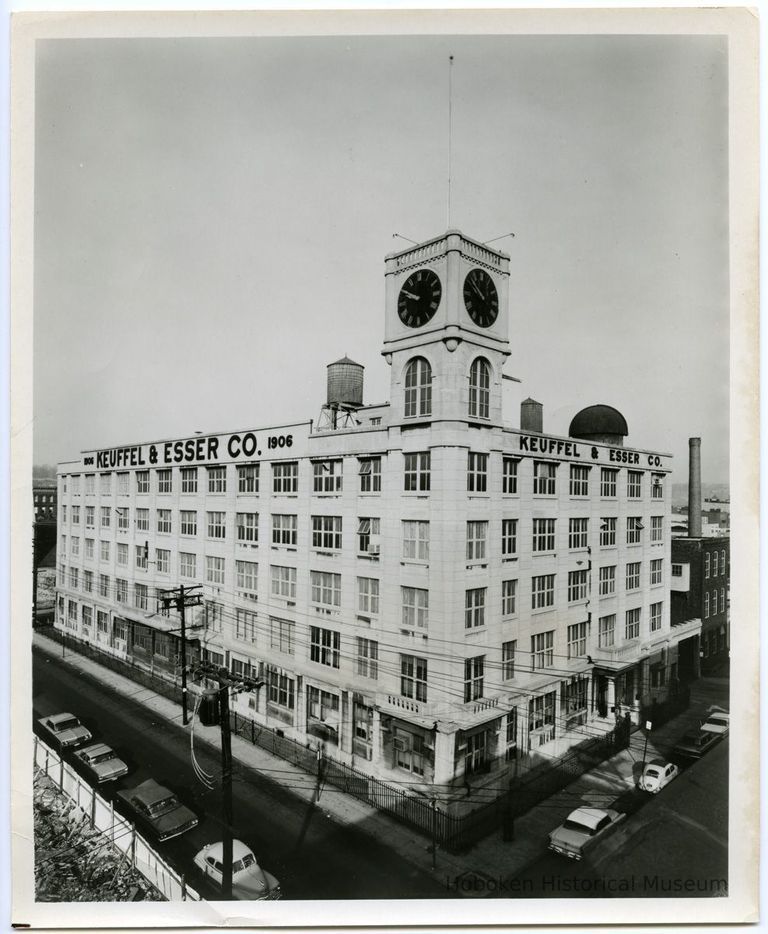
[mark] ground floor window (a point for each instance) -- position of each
(476, 755)
(323, 714)
(410, 752)
(573, 702)
(511, 736)
(541, 713)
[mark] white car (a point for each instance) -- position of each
(656, 775)
(581, 828)
(719, 721)
(249, 881)
(65, 730)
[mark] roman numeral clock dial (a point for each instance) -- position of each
(419, 298)
(481, 298)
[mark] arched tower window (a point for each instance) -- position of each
(480, 389)
(418, 388)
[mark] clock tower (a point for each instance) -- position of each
(446, 309)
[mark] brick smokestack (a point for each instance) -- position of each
(694, 488)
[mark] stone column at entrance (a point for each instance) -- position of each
(376, 735)
(611, 696)
(445, 745)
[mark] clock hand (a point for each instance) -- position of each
(415, 298)
(477, 289)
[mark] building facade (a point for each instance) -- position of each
(430, 588)
(700, 590)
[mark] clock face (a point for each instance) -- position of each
(419, 298)
(481, 298)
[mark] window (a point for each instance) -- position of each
(121, 590)
(577, 586)
(281, 688)
(142, 481)
(164, 521)
(76, 515)
(214, 570)
(477, 472)
(90, 484)
(508, 537)
(122, 483)
(632, 630)
(657, 486)
(657, 570)
(63, 544)
(281, 635)
(706, 605)
(508, 598)
(326, 588)
(212, 619)
(102, 622)
(89, 547)
(607, 532)
(714, 602)
(123, 518)
(634, 484)
(217, 479)
(715, 564)
(722, 561)
(543, 534)
(106, 516)
(413, 677)
(634, 530)
(162, 561)
(216, 524)
(370, 474)
(577, 640)
(140, 596)
(368, 536)
(479, 389)
(477, 535)
(722, 599)
(90, 516)
(104, 551)
(606, 627)
(283, 582)
(607, 580)
(608, 482)
(248, 478)
(655, 616)
(326, 532)
(473, 678)
(75, 544)
(544, 475)
(187, 564)
(367, 658)
(706, 564)
(165, 480)
(283, 529)
(247, 526)
(122, 553)
(542, 591)
(677, 570)
(120, 630)
(142, 520)
(64, 515)
(88, 581)
(578, 533)
(657, 530)
(245, 625)
(579, 480)
(368, 595)
(72, 614)
(189, 479)
(324, 646)
(247, 573)
(188, 522)
(417, 472)
(509, 475)
(541, 712)
(542, 650)
(633, 576)
(327, 476)
(508, 651)
(285, 477)
(76, 484)
(415, 540)
(141, 556)
(415, 607)
(474, 607)
(87, 616)
(418, 388)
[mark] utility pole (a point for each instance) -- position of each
(181, 598)
(226, 682)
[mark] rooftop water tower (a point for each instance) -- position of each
(344, 395)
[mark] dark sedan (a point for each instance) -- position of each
(158, 810)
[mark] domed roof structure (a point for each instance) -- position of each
(599, 423)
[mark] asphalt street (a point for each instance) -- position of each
(312, 856)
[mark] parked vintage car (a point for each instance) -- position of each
(694, 744)
(656, 775)
(719, 721)
(158, 810)
(65, 730)
(581, 828)
(249, 881)
(101, 762)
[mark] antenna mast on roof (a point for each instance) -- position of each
(450, 105)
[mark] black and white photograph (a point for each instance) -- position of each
(384, 468)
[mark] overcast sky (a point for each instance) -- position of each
(212, 218)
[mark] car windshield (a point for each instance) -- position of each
(101, 757)
(718, 721)
(652, 773)
(240, 864)
(160, 807)
(579, 828)
(70, 724)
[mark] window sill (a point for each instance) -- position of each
(544, 554)
(284, 548)
(543, 609)
(364, 556)
(414, 564)
(509, 558)
(477, 565)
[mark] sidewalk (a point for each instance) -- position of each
(491, 856)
